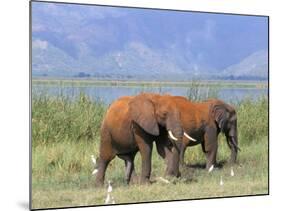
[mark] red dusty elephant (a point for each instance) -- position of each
(202, 122)
(131, 124)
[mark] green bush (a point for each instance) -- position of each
(252, 118)
(57, 119)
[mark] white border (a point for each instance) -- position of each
(14, 48)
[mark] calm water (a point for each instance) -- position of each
(108, 94)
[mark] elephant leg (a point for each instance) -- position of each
(130, 171)
(102, 165)
(211, 158)
(145, 148)
(133, 177)
(106, 155)
(171, 155)
(160, 148)
(146, 151)
(129, 166)
(203, 146)
(210, 147)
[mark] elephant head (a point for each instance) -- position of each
(150, 111)
(225, 118)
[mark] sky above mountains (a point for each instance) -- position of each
(68, 38)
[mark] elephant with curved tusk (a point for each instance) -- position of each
(131, 124)
(202, 122)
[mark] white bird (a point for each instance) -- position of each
(109, 189)
(95, 171)
(112, 200)
(211, 168)
(231, 172)
(163, 180)
(221, 182)
(107, 199)
(93, 159)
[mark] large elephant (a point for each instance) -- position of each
(202, 122)
(131, 124)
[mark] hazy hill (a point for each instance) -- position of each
(254, 65)
(122, 42)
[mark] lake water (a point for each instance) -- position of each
(107, 94)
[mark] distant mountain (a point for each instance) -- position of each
(253, 66)
(71, 40)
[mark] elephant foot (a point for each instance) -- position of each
(173, 173)
(99, 184)
(210, 167)
(177, 175)
(145, 181)
(183, 165)
(233, 162)
(134, 179)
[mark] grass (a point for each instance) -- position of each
(65, 133)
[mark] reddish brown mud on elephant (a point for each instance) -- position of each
(202, 122)
(131, 124)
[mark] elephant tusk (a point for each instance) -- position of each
(190, 138)
(172, 136)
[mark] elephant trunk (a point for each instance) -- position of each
(173, 163)
(175, 131)
(233, 144)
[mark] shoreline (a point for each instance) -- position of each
(142, 83)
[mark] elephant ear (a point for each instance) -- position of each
(142, 112)
(220, 115)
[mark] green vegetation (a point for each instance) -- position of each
(65, 133)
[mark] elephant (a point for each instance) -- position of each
(131, 124)
(202, 122)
